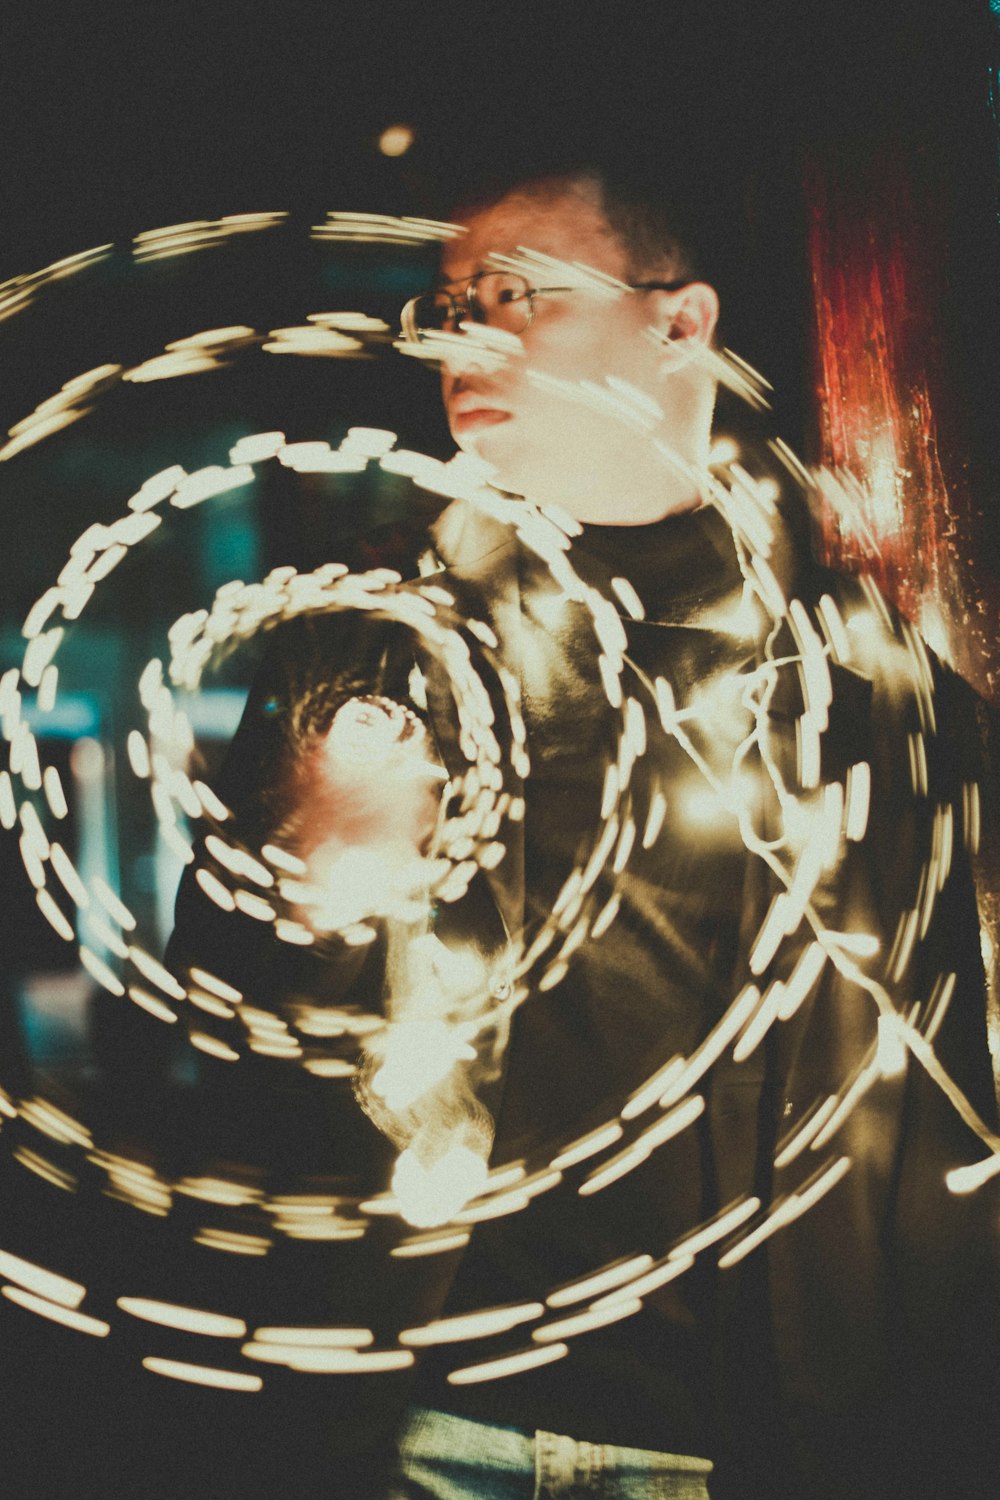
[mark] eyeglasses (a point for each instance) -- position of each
(500, 299)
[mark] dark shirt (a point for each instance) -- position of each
(649, 989)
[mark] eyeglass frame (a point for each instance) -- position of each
(412, 334)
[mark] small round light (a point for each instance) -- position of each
(395, 140)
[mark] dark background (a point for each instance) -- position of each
(118, 119)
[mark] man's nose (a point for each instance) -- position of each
(462, 310)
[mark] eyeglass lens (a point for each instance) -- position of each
(495, 297)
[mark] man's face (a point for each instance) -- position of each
(542, 444)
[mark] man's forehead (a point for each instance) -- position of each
(564, 225)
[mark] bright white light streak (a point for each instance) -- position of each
(298, 1338)
(211, 804)
(205, 484)
(760, 1023)
(947, 844)
(640, 1150)
(47, 1284)
(606, 916)
(223, 1380)
(801, 980)
(475, 1325)
(151, 1003)
(553, 976)
(76, 596)
(624, 848)
(213, 1047)
(256, 448)
(338, 1361)
(768, 587)
(52, 914)
(183, 791)
(47, 1170)
(906, 936)
(112, 904)
(668, 1270)
(609, 796)
(818, 689)
(69, 876)
(233, 1242)
(672, 1124)
(857, 944)
(10, 698)
(712, 1048)
(807, 736)
(918, 763)
(850, 1099)
(968, 1179)
(772, 930)
(55, 1123)
(156, 488)
(132, 529)
(595, 1317)
(106, 563)
(188, 1319)
(255, 906)
(601, 1281)
(8, 805)
(33, 866)
(588, 1146)
(215, 890)
(495, 1207)
(156, 973)
(238, 861)
(610, 680)
(857, 797)
(39, 653)
(106, 934)
(654, 822)
(716, 1230)
(512, 1364)
(99, 971)
(47, 689)
(653, 1088)
(804, 1199)
(39, 613)
(937, 1007)
(30, 767)
(970, 815)
(891, 1051)
(630, 600)
(33, 830)
(78, 1321)
(781, 1214)
(436, 1245)
(215, 985)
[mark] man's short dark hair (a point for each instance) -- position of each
(656, 227)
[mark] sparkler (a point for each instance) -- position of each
(420, 1058)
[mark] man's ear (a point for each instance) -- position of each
(689, 313)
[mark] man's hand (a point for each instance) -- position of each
(368, 796)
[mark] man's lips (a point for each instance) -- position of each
(469, 417)
(469, 409)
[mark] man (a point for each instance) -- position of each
(799, 1368)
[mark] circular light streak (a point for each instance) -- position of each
(813, 823)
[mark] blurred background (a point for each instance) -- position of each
(841, 163)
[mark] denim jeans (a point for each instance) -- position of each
(444, 1457)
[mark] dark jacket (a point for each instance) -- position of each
(854, 1352)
